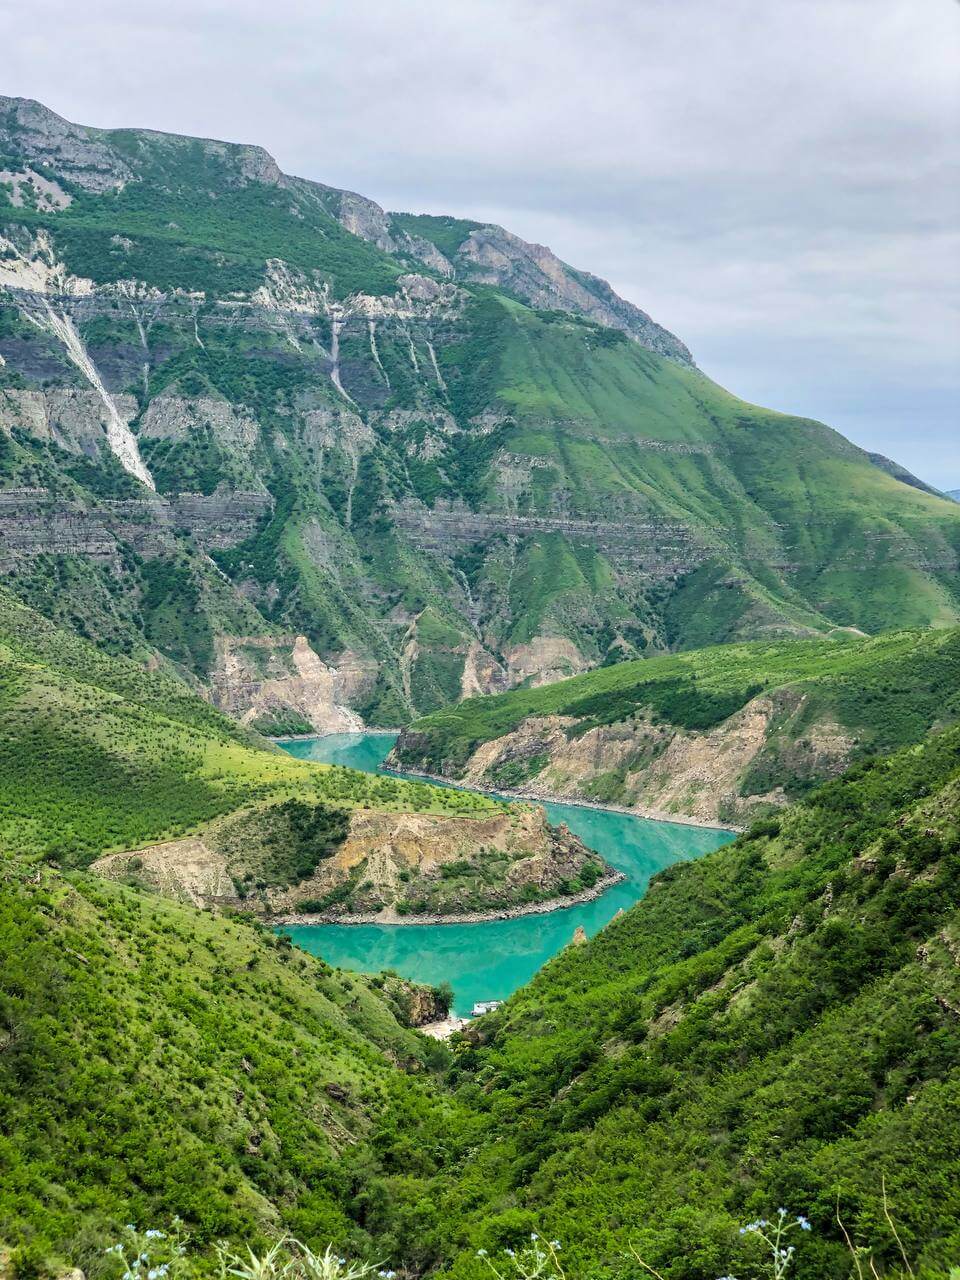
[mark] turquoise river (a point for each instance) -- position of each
(490, 960)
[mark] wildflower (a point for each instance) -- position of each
(510, 1253)
(481, 1253)
(782, 1213)
(533, 1235)
(154, 1234)
(554, 1244)
(803, 1223)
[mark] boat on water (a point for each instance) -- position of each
(484, 1006)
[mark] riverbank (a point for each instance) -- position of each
(390, 916)
(542, 796)
(338, 733)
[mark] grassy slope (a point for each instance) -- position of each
(775, 1024)
(889, 690)
(625, 427)
(98, 754)
(156, 1060)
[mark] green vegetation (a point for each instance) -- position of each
(97, 754)
(159, 1061)
(886, 691)
(777, 1023)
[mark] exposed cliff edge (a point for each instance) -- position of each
(367, 865)
(653, 770)
(714, 736)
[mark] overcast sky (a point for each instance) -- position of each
(774, 180)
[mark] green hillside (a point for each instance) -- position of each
(776, 1024)
(156, 1061)
(98, 754)
(887, 691)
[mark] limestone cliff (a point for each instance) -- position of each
(279, 684)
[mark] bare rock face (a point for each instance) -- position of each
(80, 154)
(185, 869)
(663, 771)
(543, 660)
(260, 679)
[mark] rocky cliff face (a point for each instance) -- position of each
(657, 769)
(279, 684)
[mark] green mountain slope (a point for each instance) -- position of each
(721, 732)
(156, 1060)
(777, 1023)
(449, 462)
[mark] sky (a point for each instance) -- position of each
(776, 181)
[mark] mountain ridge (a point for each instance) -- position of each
(378, 487)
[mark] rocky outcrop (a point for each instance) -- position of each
(543, 660)
(533, 272)
(390, 867)
(272, 680)
(417, 1005)
(185, 869)
(82, 155)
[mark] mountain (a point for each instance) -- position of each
(107, 766)
(329, 463)
(775, 1024)
(720, 734)
(954, 494)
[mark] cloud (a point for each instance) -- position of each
(775, 182)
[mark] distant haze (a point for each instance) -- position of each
(776, 183)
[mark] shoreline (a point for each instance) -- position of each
(332, 733)
(551, 797)
(391, 917)
(519, 793)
